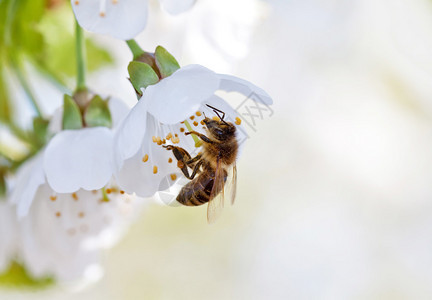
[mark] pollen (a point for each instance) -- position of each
(192, 117)
(173, 177)
(159, 141)
(108, 191)
(182, 129)
(202, 122)
(215, 118)
(122, 192)
(81, 214)
(53, 198)
(154, 139)
(170, 160)
(198, 113)
(58, 214)
(169, 135)
(145, 158)
(75, 196)
(176, 135)
(76, 2)
(102, 14)
(175, 140)
(155, 169)
(195, 123)
(238, 121)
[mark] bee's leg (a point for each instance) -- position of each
(194, 160)
(196, 168)
(182, 157)
(201, 136)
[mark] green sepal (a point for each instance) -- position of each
(40, 130)
(165, 62)
(141, 75)
(97, 113)
(72, 118)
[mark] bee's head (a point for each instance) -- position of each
(220, 129)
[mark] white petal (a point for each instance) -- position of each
(8, 234)
(175, 7)
(77, 159)
(119, 111)
(122, 19)
(129, 135)
(30, 176)
(178, 96)
(234, 84)
(141, 177)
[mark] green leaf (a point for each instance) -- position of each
(97, 113)
(141, 75)
(72, 118)
(18, 277)
(166, 63)
(2, 186)
(40, 130)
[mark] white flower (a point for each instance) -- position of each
(63, 234)
(122, 19)
(8, 234)
(72, 160)
(143, 166)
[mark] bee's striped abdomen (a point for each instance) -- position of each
(197, 191)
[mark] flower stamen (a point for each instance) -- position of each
(237, 121)
(145, 158)
(155, 169)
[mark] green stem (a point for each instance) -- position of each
(195, 138)
(136, 50)
(81, 57)
(27, 89)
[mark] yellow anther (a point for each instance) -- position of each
(53, 198)
(145, 158)
(169, 135)
(173, 177)
(75, 196)
(192, 117)
(76, 2)
(170, 160)
(182, 129)
(102, 14)
(122, 192)
(58, 214)
(198, 113)
(155, 169)
(81, 214)
(154, 139)
(238, 121)
(202, 122)
(195, 123)
(175, 140)
(108, 191)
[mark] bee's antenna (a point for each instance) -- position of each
(217, 111)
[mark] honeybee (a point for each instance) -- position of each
(211, 167)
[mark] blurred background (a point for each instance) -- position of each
(334, 187)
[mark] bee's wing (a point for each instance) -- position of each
(216, 203)
(231, 185)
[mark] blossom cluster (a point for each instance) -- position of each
(87, 182)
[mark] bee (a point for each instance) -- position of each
(211, 167)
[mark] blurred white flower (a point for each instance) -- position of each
(62, 236)
(72, 160)
(122, 19)
(143, 166)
